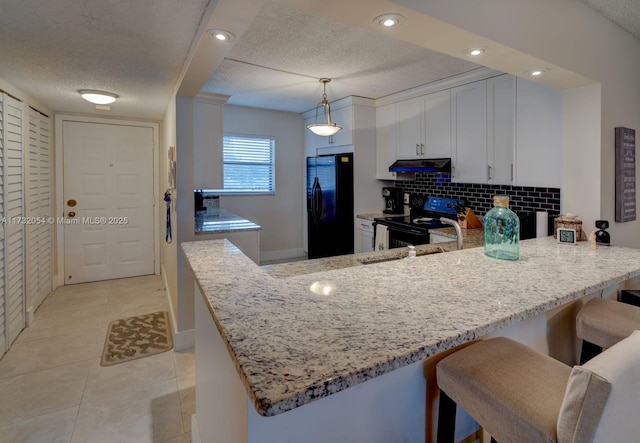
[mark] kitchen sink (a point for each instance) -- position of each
(373, 260)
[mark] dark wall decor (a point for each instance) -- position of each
(625, 175)
(480, 197)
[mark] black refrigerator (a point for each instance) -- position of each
(330, 205)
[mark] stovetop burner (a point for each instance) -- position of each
(427, 217)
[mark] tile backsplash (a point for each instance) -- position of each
(480, 197)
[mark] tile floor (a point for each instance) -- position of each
(53, 389)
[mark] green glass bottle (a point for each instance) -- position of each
(501, 231)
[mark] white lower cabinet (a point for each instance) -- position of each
(365, 235)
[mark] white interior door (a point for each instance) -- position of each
(108, 201)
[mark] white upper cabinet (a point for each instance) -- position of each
(424, 126)
(437, 125)
(501, 129)
(344, 117)
(199, 121)
(386, 141)
(483, 131)
(539, 134)
(410, 138)
(469, 133)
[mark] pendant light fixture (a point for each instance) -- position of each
(328, 128)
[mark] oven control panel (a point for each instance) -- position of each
(443, 205)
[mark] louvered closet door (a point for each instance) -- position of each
(32, 184)
(3, 299)
(14, 230)
(38, 234)
(44, 201)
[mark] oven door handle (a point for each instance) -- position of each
(408, 230)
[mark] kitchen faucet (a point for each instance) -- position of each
(455, 224)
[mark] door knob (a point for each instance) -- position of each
(71, 214)
(71, 203)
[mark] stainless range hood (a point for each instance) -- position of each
(422, 165)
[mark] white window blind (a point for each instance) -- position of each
(248, 164)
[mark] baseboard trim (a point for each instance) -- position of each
(182, 340)
(195, 433)
(28, 316)
(281, 254)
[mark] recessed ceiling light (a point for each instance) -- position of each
(389, 20)
(538, 72)
(98, 97)
(476, 51)
(221, 35)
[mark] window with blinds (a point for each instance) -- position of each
(248, 164)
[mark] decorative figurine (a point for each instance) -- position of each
(602, 236)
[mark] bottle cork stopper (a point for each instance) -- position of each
(501, 200)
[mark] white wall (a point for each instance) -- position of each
(279, 214)
(581, 150)
(572, 36)
(168, 251)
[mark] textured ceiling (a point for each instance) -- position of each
(624, 13)
(134, 48)
(277, 62)
(139, 49)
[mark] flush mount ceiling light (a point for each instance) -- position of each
(476, 51)
(327, 128)
(98, 97)
(221, 35)
(389, 20)
(538, 72)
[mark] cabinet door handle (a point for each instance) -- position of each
(422, 148)
(453, 170)
(331, 141)
(512, 172)
(417, 149)
(489, 172)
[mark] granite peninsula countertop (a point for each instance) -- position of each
(472, 238)
(221, 220)
(300, 338)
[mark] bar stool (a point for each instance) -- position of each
(519, 395)
(602, 323)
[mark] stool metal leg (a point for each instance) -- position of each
(589, 350)
(446, 419)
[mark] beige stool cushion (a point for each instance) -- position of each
(603, 397)
(606, 322)
(514, 392)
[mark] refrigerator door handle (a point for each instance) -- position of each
(316, 202)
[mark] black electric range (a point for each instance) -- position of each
(403, 230)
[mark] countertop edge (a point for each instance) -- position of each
(324, 388)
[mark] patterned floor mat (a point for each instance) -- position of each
(137, 337)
